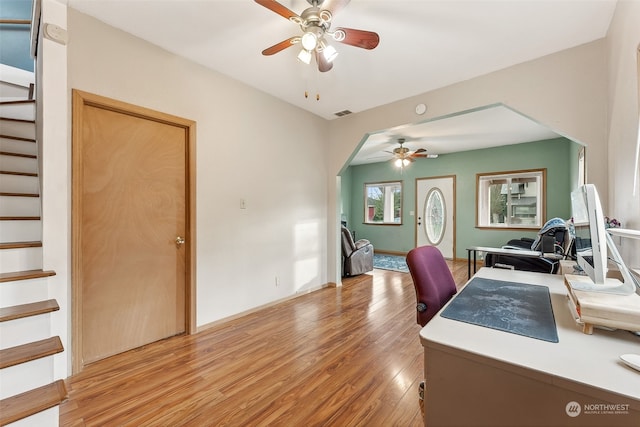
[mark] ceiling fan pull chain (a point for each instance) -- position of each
(316, 78)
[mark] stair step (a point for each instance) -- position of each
(11, 153)
(18, 102)
(20, 229)
(31, 402)
(16, 120)
(19, 194)
(27, 352)
(18, 245)
(8, 90)
(11, 145)
(20, 331)
(19, 218)
(26, 310)
(23, 292)
(20, 255)
(25, 275)
(18, 128)
(14, 183)
(7, 172)
(18, 109)
(13, 163)
(17, 138)
(11, 206)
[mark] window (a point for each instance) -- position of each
(511, 199)
(435, 216)
(383, 203)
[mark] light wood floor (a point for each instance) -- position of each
(348, 356)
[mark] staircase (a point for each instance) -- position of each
(28, 391)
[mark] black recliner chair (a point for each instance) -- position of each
(357, 257)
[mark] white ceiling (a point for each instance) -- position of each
(469, 130)
(424, 44)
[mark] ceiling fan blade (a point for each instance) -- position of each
(334, 6)
(425, 156)
(420, 150)
(281, 46)
(278, 8)
(323, 64)
(357, 38)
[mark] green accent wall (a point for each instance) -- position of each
(558, 156)
(346, 195)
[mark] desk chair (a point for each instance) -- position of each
(433, 282)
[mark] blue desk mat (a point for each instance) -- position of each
(517, 308)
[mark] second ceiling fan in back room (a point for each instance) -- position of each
(402, 156)
(315, 23)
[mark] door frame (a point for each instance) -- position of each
(454, 212)
(80, 100)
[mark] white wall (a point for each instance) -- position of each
(53, 137)
(249, 145)
(622, 42)
(565, 91)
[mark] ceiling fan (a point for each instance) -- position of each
(315, 23)
(402, 156)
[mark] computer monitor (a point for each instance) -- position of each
(590, 234)
(593, 244)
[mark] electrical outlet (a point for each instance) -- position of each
(277, 281)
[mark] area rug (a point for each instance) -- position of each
(390, 262)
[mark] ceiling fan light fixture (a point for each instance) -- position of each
(330, 53)
(304, 56)
(401, 163)
(309, 41)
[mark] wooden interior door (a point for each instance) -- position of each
(131, 226)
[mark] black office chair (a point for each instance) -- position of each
(553, 238)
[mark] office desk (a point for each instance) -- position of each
(476, 376)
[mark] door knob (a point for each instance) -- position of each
(179, 240)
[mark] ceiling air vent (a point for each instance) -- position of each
(342, 113)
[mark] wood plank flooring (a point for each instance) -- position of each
(348, 356)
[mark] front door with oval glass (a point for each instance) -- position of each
(435, 214)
